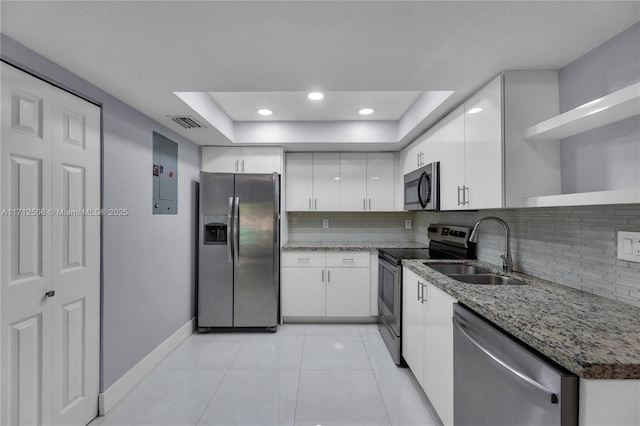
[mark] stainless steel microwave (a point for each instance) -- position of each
(422, 188)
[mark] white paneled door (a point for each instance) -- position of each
(49, 254)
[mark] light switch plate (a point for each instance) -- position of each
(407, 224)
(325, 223)
(629, 246)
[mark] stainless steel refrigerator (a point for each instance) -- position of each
(239, 250)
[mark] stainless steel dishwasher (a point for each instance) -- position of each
(499, 381)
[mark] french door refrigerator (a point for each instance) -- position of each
(239, 250)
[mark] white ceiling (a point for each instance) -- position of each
(142, 52)
(295, 106)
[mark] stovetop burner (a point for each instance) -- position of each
(446, 242)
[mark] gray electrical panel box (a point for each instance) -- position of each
(165, 175)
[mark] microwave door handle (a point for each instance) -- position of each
(422, 202)
(548, 393)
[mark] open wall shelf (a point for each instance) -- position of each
(597, 113)
(617, 196)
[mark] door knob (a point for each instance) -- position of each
(50, 293)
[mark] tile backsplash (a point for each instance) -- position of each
(349, 226)
(573, 246)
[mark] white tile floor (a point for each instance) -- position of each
(302, 375)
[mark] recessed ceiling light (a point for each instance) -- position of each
(474, 110)
(365, 111)
(315, 96)
(265, 111)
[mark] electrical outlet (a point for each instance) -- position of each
(407, 224)
(629, 246)
(325, 223)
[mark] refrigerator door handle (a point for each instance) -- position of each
(236, 230)
(229, 227)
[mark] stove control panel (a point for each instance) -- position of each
(449, 233)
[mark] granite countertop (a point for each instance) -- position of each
(589, 335)
(348, 245)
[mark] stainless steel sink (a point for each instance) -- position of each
(486, 279)
(457, 269)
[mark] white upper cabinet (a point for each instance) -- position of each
(420, 152)
(380, 182)
(223, 159)
(450, 154)
(261, 160)
(312, 181)
(340, 181)
(299, 181)
(471, 152)
(326, 181)
(484, 160)
(353, 182)
(482, 188)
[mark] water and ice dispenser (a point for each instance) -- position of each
(215, 229)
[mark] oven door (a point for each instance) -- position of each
(389, 294)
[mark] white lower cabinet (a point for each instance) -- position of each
(325, 284)
(303, 291)
(427, 340)
(347, 292)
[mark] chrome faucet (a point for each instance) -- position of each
(507, 261)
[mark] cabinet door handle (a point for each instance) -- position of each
(242, 165)
(349, 260)
(418, 287)
(237, 165)
(315, 204)
(459, 189)
(303, 260)
(466, 195)
(418, 159)
(369, 203)
(422, 292)
(323, 275)
(50, 293)
(328, 275)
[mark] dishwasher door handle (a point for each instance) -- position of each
(548, 393)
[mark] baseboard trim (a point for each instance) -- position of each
(108, 399)
(330, 320)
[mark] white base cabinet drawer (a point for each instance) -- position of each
(303, 259)
(347, 259)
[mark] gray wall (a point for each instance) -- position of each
(608, 157)
(149, 270)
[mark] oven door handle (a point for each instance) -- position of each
(387, 265)
(548, 393)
